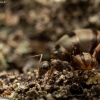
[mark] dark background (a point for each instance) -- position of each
(30, 27)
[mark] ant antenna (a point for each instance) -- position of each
(96, 50)
(41, 56)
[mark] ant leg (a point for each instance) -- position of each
(51, 71)
(96, 50)
(74, 50)
(64, 56)
(71, 68)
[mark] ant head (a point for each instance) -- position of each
(44, 67)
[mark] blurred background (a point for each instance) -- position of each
(31, 27)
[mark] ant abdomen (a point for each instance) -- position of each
(85, 40)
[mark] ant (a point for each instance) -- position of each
(83, 61)
(49, 67)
